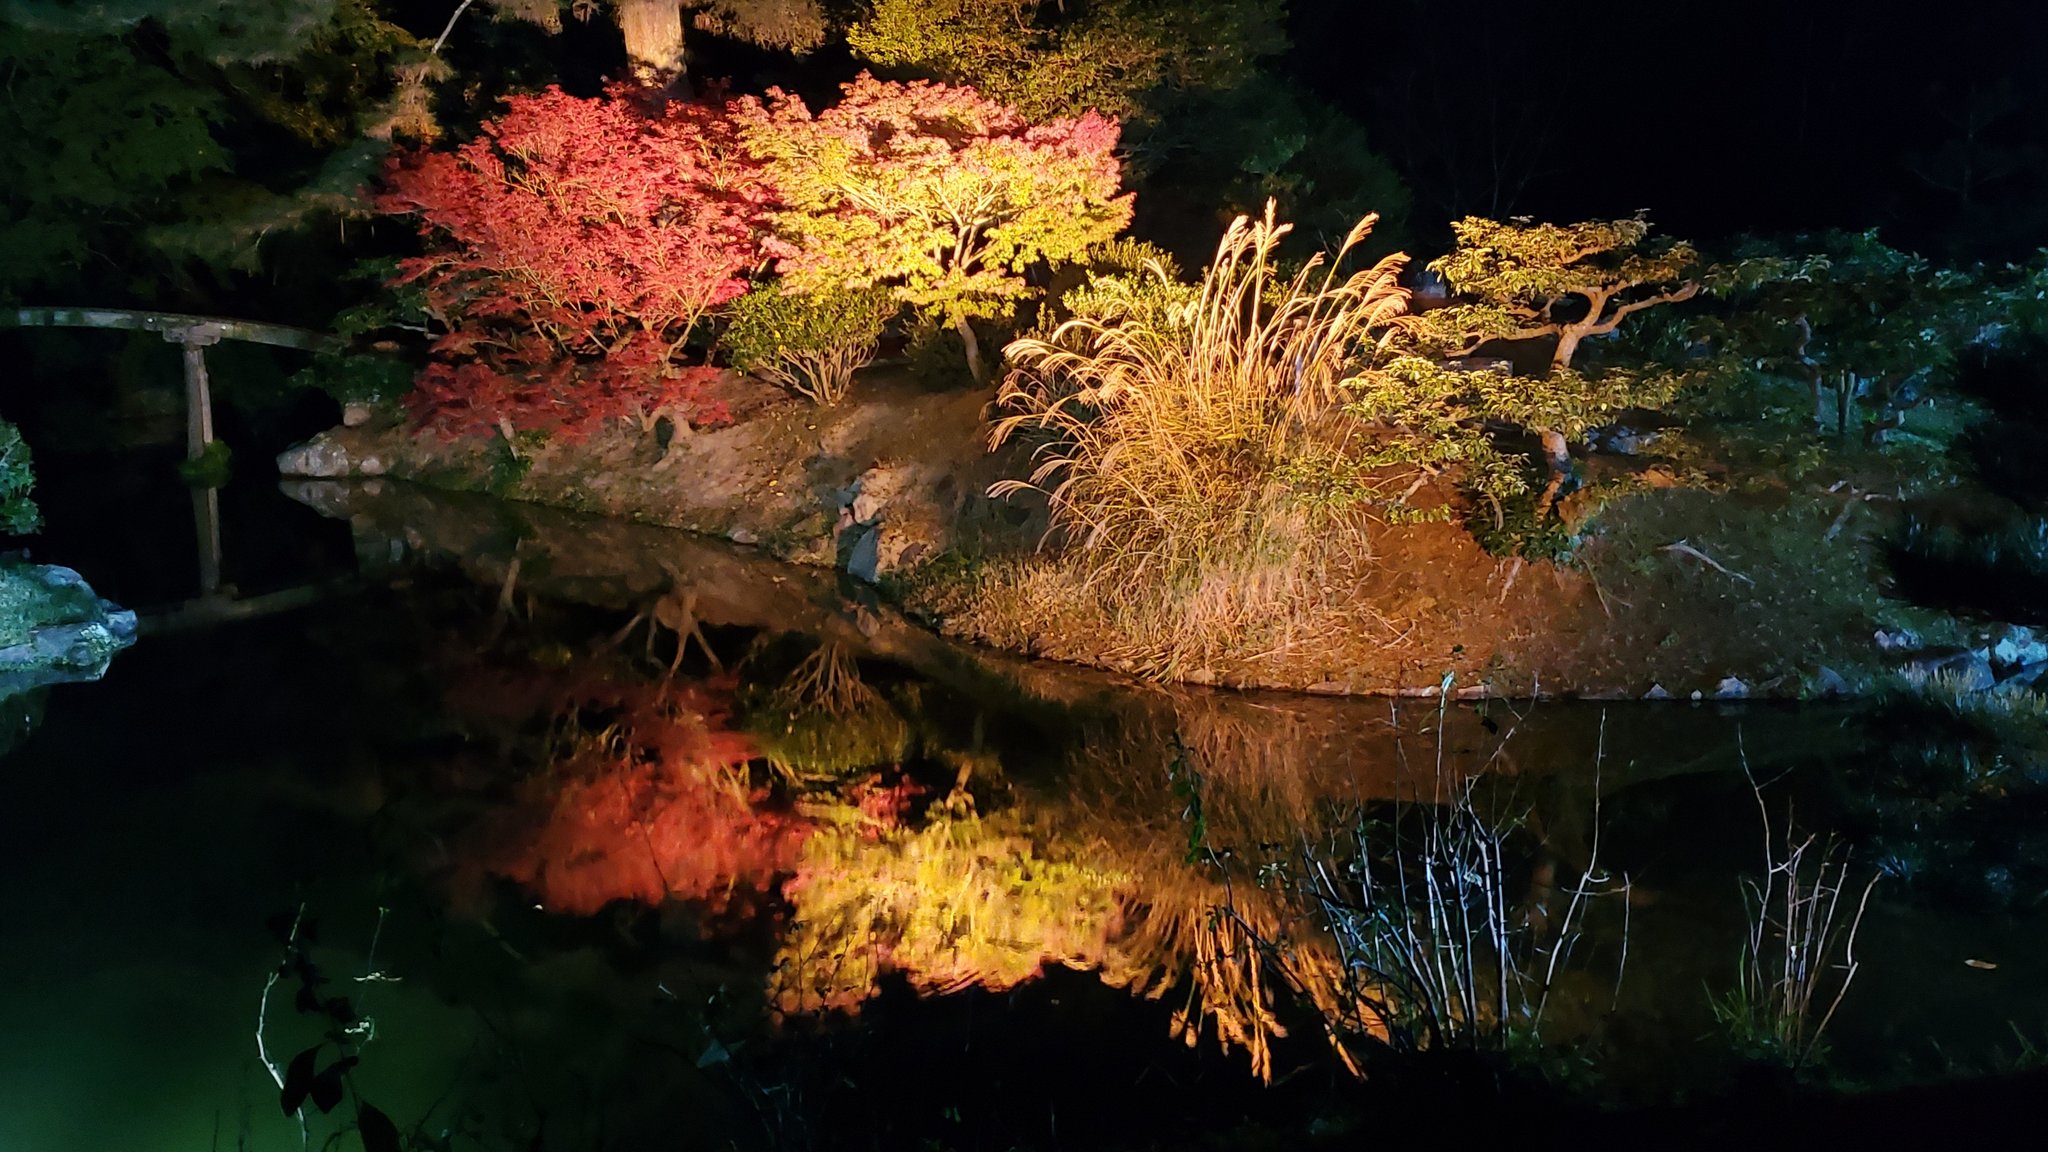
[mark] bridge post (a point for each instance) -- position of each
(193, 342)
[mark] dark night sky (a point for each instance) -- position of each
(1735, 115)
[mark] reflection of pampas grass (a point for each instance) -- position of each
(1235, 944)
(827, 682)
(1235, 952)
(1409, 940)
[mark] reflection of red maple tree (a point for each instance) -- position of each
(649, 831)
(571, 247)
(649, 802)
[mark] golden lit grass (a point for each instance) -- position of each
(1168, 418)
(1234, 614)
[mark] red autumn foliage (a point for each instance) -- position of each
(650, 800)
(570, 249)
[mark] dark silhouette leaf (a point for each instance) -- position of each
(339, 1010)
(326, 1087)
(306, 1001)
(298, 1080)
(378, 1132)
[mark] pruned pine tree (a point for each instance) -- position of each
(1515, 281)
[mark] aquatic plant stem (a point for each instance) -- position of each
(263, 1010)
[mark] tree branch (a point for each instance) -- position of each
(1479, 342)
(443, 37)
(1683, 292)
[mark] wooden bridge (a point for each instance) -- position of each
(193, 335)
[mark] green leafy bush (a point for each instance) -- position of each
(362, 365)
(18, 514)
(809, 343)
(211, 468)
(1136, 257)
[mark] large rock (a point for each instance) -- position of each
(1965, 669)
(327, 456)
(54, 629)
(895, 516)
(2017, 647)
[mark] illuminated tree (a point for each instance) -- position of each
(939, 193)
(1062, 60)
(1848, 315)
(654, 34)
(1564, 283)
(572, 246)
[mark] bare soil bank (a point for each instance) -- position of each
(1765, 590)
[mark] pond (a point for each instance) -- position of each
(584, 834)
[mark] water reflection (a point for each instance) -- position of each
(785, 758)
(679, 840)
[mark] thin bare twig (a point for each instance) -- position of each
(1685, 548)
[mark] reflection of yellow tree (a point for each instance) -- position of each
(1144, 866)
(965, 900)
(1095, 884)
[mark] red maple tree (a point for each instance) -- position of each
(570, 249)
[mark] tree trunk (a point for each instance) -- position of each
(975, 368)
(654, 39)
(1557, 460)
(1567, 347)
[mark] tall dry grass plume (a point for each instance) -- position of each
(1168, 417)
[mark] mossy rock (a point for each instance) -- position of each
(53, 628)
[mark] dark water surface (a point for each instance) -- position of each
(833, 882)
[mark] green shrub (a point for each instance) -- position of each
(1134, 257)
(362, 365)
(808, 343)
(357, 377)
(211, 468)
(18, 514)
